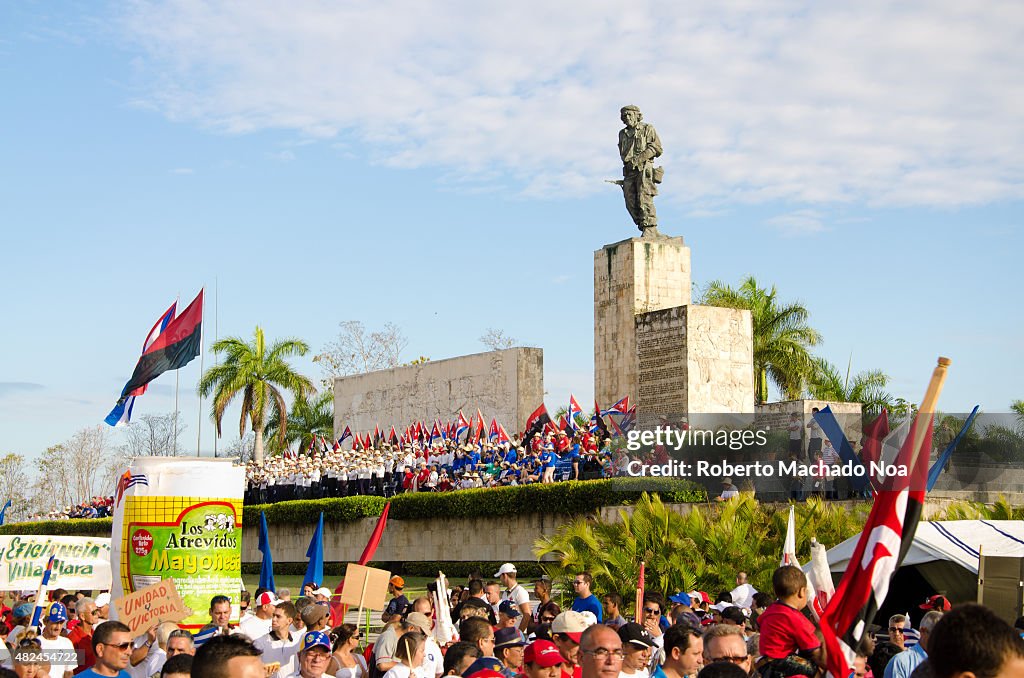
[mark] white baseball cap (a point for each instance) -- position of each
(507, 568)
(102, 599)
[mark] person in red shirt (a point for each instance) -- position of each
(784, 629)
(81, 636)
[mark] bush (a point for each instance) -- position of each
(76, 527)
(575, 497)
(451, 569)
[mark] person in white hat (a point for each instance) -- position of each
(258, 624)
(514, 592)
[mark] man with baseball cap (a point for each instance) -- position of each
(508, 647)
(515, 593)
(541, 659)
(433, 659)
(940, 603)
(637, 644)
(566, 630)
(258, 624)
(54, 619)
(314, 656)
(398, 604)
(508, 615)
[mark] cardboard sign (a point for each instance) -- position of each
(365, 587)
(147, 607)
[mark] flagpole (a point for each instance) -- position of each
(216, 336)
(202, 352)
(177, 300)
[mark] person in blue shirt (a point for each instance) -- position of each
(112, 644)
(585, 600)
(573, 455)
(547, 463)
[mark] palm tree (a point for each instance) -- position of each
(781, 335)
(307, 418)
(259, 374)
(1017, 407)
(866, 388)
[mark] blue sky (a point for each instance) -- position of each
(441, 167)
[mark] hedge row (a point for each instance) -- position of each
(567, 498)
(456, 569)
(79, 527)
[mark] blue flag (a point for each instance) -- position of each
(3, 511)
(940, 463)
(834, 432)
(267, 566)
(315, 553)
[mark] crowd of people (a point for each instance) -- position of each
(502, 631)
(95, 507)
(387, 469)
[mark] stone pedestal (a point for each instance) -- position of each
(632, 277)
(694, 360)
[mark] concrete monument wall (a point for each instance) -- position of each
(694, 359)
(631, 277)
(777, 414)
(507, 385)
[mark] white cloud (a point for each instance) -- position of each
(807, 102)
(798, 223)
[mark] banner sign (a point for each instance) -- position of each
(365, 587)
(80, 563)
(180, 519)
(147, 607)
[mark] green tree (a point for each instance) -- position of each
(261, 375)
(782, 335)
(1017, 407)
(867, 387)
(307, 418)
(701, 549)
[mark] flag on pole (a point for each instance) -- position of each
(536, 421)
(492, 432)
(3, 511)
(834, 432)
(940, 462)
(789, 552)
(884, 541)
(639, 616)
(819, 580)
(174, 348)
(871, 443)
(41, 594)
(502, 435)
(347, 433)
(315, 553)
(575, 409)
(621, 407)
(461, 425)
(267, 566)
(122, 412)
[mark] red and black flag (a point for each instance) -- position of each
(537, 421)
(884, 542)
(176, 346)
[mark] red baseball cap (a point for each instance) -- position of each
(936, 603)
(543, 653)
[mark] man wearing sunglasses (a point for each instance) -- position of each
(725, 643)
(112, 645)
(585, 600)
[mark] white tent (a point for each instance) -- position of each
(946, 552)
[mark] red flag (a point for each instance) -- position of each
(639, 617)
(874, 434)
(393, 436)
(369, 443)
(562, 425)
(538, 418)
(884, 542)
(337, 609)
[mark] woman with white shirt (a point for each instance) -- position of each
(409, 654)
(345, 661)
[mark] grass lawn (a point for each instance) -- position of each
(414, 586)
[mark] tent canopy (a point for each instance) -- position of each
(946, 553)
(956, 541)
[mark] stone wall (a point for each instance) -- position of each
(694, 359)
(473, 539)
(631, 277)
(776, 415)
(507, 385)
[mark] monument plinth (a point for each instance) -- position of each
(632, 277)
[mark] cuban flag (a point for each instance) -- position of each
(621, 407)
(502, 436)
(461, 425)
(121, 415)
(574, 410)
(492, 432)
